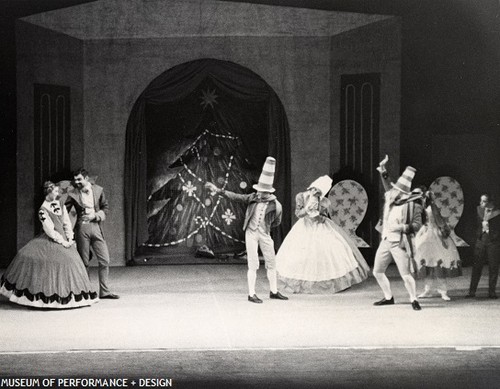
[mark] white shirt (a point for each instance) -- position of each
(87, 198)
(486, 224)
(393, 218)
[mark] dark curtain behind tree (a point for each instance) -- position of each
(182, 214)
(177, 84)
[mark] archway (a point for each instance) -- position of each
(205, 120)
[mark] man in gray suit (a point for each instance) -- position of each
(91, 207)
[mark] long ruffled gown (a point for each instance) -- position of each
(436, 254)
(44, 273)
(318, 257)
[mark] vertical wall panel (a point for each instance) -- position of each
(359, 140)
(51, 136)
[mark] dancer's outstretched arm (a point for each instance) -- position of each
(242, 198)
(384, 175)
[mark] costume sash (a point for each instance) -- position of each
(408, 240)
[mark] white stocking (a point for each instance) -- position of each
(410, 286)
(273, 283)
(384, 284)
(251, 278)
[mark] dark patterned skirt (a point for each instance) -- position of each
(45, 274)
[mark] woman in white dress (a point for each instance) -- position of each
(317, 256)
(436, 254)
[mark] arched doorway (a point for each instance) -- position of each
(205, 120)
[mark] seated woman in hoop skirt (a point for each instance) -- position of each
(317, 256)
(48, 271)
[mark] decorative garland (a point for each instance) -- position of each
(203, 221)
(225, 234)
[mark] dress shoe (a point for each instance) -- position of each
(110, 296)
(384, 301)
(492, 296)
(470, 295)
(277, 296)
(254, 299)
(415, 305)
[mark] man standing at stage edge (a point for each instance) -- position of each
(401, 219)
(487, 245)
(91, 207)
(263, 213)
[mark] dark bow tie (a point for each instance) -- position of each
(86, 191)
(263, 199)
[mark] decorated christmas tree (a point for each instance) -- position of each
(182, 213)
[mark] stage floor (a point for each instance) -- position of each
(205, 307)
(189, 319)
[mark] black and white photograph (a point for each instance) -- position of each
(250, 194)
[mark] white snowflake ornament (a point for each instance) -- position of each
(189, 188)
(228, 216)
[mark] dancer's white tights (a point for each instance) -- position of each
(385, 285)
(252, 279)
(273, 282)
(410, 286)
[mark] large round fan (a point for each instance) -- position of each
(349, 203)
(450, 201)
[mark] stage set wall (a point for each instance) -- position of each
(375, 48)
(106, 76)
(43, 57)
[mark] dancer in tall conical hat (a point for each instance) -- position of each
(263, 213)
(402, 218)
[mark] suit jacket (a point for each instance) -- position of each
(494, 226)
(412, 212)
(101, 206)
(273, 211)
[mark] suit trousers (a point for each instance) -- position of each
(89, 235)
(386, 252)
(254, 239)
(485, 252)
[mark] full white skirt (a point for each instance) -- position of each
(319, 258)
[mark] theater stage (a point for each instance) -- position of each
(193, 323)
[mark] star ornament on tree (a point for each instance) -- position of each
(208, 98)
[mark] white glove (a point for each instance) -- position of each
(212, 188)
(67, 244)
(381, 165)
